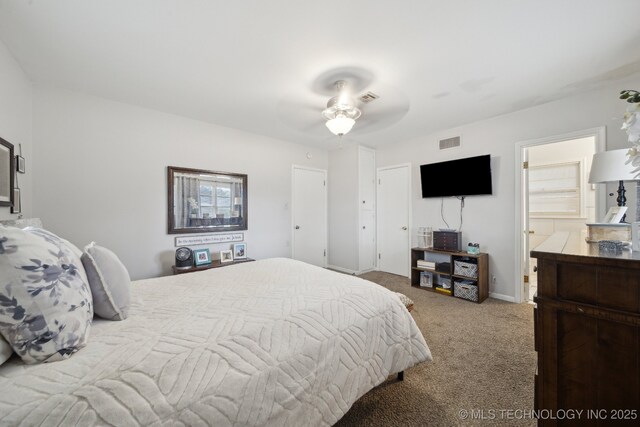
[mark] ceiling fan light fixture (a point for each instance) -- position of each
(340, 125)
(341, 112)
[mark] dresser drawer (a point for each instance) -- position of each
(602, 286)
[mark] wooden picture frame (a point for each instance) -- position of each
(20, 164)
(17, 202)
(201, 257)
(7, 173)
(226, 256)
(239, 251)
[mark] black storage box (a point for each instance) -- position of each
(443, 267)
(447, 240)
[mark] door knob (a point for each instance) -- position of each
(297, 227)
(535, 268)
(364, 228)
(532, 231)
(404, 228)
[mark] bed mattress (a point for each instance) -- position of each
(273, 342)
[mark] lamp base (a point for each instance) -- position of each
(622, 199)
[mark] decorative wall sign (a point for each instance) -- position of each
(209, 239)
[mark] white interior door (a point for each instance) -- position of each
(393, 203)
(309, 216)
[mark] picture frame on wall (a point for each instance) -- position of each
(6, 173)
(226, 256)
(17, 202)
(20, 164)
(201, 257)
(239, 251)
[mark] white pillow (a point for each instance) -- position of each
(109, 280)
(45, 302)
(5, 350)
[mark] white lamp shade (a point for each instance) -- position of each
(610, 166)
(340, 125)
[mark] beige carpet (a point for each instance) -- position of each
(483, 359)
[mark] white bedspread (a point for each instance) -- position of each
(273, 342)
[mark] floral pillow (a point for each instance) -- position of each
(45, 301)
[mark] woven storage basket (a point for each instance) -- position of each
(465, 289)
(426, 279)
(408, 303)
(466, 269)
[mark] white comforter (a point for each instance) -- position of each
(273, 342)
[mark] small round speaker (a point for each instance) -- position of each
(184, 258)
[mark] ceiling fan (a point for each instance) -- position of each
(345, 111)
(341, 112)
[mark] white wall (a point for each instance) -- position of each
(16, 122)
(101, 173)
(490, 220)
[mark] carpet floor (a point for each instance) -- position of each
(483, 360)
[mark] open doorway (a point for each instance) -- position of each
(560, 198)
(554, 195)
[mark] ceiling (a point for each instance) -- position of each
(249, 64)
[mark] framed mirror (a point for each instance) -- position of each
(7, 162)
(203, 201)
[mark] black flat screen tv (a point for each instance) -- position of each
(470, 176)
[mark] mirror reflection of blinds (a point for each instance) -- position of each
(215, 198)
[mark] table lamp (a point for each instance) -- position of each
(611, 166)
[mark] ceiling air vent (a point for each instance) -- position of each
(454, 142)
(368, 97)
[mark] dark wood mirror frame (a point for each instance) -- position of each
(206, 225)
(8, 192)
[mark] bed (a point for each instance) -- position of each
(273, 342)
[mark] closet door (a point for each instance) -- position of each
(367, 240)
(367, 178)
(367, 204)
(309, 219)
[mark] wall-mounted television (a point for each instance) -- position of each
(470, 176)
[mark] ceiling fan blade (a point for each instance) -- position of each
(300, 114)
(391, 106)
(357, 80)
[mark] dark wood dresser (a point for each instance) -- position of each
(587, 333)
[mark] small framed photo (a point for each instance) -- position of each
(202, 256)
(17, 202)
(226, 256)
(20, 166)
(239, 250)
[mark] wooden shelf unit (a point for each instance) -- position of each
(214, 264)
(481, 259)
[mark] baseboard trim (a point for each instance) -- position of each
(342, 270)
(502, 297)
